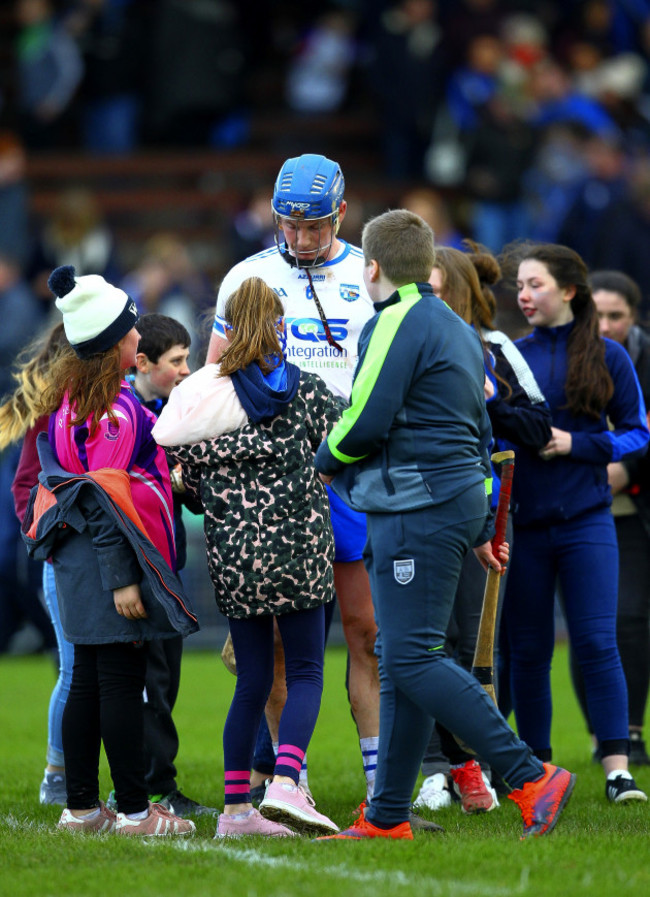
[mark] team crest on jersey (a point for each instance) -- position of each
(404, 571)
(349, 291)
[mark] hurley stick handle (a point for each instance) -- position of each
(483, 667)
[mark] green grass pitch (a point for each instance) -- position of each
(596, 849)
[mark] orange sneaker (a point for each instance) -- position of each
(541, 802)
(362, 828)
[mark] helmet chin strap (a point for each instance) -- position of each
(302, 263)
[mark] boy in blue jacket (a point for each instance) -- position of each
(412, 451)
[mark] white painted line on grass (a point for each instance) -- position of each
(393, 878)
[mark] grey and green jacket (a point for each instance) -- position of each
(417, 432)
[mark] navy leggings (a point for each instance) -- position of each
(632, 619)
(582, 555)
(303, 640)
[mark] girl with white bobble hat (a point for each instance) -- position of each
(110, 608)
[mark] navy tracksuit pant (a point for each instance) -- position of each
(414, 560)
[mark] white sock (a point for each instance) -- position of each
(369, 756)
(243, 815)
(91, 814)
(141, 815)
(302, 776)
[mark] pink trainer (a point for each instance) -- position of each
(290, 805)
(103, 823)
(160, 821)
(253, 824)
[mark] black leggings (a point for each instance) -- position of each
(106, 705)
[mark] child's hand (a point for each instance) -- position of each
(128, 602)
(487, 559)
(176, 477)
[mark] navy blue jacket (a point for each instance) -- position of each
(546, 492)
(88, 526)
(417, 432)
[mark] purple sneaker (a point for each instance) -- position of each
(290, 805)
(253, 824)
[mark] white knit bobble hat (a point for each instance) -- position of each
(96, 315)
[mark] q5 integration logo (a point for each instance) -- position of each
(312, 330)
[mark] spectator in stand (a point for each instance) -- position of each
(501, 151)
(49, 70)
(167, 281)
(623, 236)
(553, 179)
(406, 71)
(603, 186)
(252, 228)
(432, 206)
(113, 37)
(76, 234)
(14, 199)
(195, 89)
(617, 299)
(318, 76)
(556, 99)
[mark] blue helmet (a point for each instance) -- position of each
(309, 186)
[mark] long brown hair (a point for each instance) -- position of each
(589, 385)
(92, 385)
(466, 279)
(251, 314)
(33, 375)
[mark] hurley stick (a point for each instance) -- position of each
(483, 667)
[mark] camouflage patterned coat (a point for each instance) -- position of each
(267, 524)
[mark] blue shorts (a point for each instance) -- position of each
(349, 529)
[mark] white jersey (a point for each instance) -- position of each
(343, 297)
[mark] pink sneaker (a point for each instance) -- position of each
(253, 824)
(290, 805)
(160, 821)
(103, 823)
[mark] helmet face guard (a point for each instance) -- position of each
(321, 250)
(308, 188)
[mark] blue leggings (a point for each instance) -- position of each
(66, 658)
(303, 640)
(414, 561)
(582, 555)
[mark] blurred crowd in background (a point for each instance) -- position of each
(493, 120)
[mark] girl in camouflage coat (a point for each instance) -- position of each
(269, 541)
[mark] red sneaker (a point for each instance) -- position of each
(471, 785)
(541, 802)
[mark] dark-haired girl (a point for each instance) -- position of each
(563, 526)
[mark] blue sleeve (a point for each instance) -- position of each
(626, 414)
